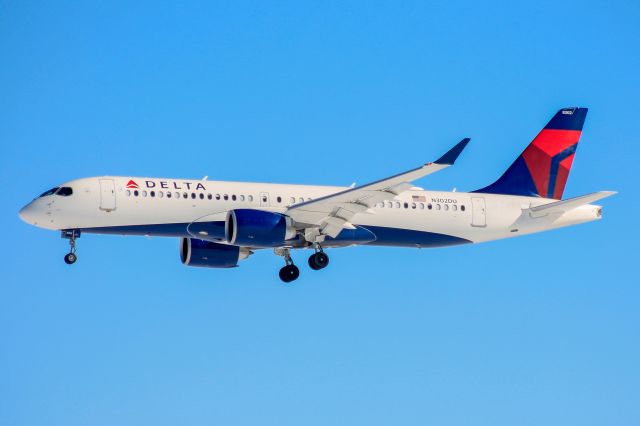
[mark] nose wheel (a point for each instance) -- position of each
(71, 235)
(70, 258)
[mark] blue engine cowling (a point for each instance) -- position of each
(258, 228)
(194, 252)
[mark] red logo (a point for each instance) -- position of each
(132, 184)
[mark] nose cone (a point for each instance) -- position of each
(28, 214)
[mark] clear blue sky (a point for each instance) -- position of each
(542, 329)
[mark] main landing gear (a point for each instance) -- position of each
(290, 272)
(319, 259)
(71, 235)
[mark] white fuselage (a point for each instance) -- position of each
(175, 207)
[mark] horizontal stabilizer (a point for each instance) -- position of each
(569, 204)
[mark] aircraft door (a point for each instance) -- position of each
(264, 199)
(107, 195)
(479, 212)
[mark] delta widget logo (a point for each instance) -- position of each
(163, 184)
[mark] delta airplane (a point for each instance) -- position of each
(221, 223)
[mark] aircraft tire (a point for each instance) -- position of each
(289, 273)
(318, 261)
(70, 258)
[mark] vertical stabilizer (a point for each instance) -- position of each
(543, 168)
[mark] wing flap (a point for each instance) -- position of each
(333, 212)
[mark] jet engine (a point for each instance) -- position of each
(194, 252)
(258, 228)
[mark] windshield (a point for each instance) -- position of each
(49, 192)
(65, 191)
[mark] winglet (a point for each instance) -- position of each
(451, 156)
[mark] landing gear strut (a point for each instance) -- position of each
(71, 235)
(319, 259)
(289, 272)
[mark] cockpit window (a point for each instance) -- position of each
(65, 191)
(49, 192)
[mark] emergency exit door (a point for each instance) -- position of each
(107, 195)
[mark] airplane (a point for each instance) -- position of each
(222, 223)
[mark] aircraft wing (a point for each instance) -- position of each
(330, 214)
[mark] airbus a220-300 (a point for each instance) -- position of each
(222, 223)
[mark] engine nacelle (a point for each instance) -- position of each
(258, 228)
(194, 252)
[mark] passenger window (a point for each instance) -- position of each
(144, 193)
(209, 197)
(168, 194)
(242, 198)
(152, 193)
(193, 195)
(135, 193)
(406, 205)
(429, 206)
(177, 195)
(279, 199)
(454, 207)
(218, 197)
(201, 196)
(160, 194)
(462, 207)
(398, 204)
(301, 200)
(250, 197)
(185, 195)
(389, 204)
(446, 207)
(226, 197)
(292, 200)
(233, 197)
(413, 205)
(421, 206)
(128, 193)
(437, 206)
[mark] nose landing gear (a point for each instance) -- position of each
(71, 235)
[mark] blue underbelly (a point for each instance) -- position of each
(398, 237)
(369, 235)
